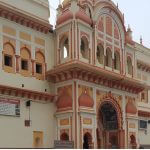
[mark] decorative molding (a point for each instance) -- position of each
(24, 20)
(143, 113)
(143, 66)
(24, 93)
(94, 74)
(64, 122)
(87, 121)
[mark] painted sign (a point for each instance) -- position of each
(63, 144)
(9, 107)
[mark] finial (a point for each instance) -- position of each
(117, 5)
(141, 40)
(129, 29)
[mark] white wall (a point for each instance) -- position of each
(14, 134)
(32, 8)
(30, 83)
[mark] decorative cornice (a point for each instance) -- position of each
(143, 66)
(94, 74)
(143, 113)
(24, 93)
(25, 20)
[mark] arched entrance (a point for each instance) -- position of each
(109, 126)
(87, 141)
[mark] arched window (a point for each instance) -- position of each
(40, 63)
(25, 61)
(100, 54)
(129, 66)
(108, 57)
(8, 57)
(64, 47)
(117, 61)
(84, 48)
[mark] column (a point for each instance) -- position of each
(17, 63)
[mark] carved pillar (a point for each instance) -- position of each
(113, 64)
(132, 71)
(33, 67)
(107, 146)
(104, 61)
(3, 59)
(59, 56)
(89, 55)
(98, 138)
(17, 63)
(121, 71)
(121, 135)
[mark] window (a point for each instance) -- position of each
(100, 54)
(39, 68)
(40, 65)
(64, 47)
(82, 45)
(116, 61)
(142, 124)
(84, 48)
(144, 96)
(24, 64)
(108, 57)
(129, 66)
(8, 60)
(25, 60)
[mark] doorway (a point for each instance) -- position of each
(64, 137)
(87, 141)
(108, 125)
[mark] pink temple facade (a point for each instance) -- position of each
(87, 81)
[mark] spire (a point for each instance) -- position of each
(129, 33)
(141, 40)
(129, 29)
(123, 16)
(117, 5)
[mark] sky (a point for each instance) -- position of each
(136, 12)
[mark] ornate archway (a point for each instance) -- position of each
(110, 133)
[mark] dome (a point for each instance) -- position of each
(64, 17)
(85, 100)
(84, 17)
(64, 101)
(131, 108)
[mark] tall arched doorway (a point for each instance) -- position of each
(108, 126)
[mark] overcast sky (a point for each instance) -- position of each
(137, 15)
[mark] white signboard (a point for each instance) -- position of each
(9, 107)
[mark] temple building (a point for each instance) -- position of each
(86, 81)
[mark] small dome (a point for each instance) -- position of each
(85, 100)
(64, 101)
(131, 108)
(84, 17)
(64, 17)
